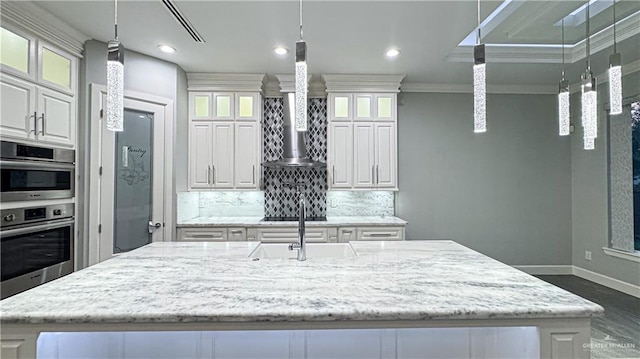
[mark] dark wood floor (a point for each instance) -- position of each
(617, 334)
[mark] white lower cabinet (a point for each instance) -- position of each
(202, 234)
(346, 234)
(237, 234)
(290, 235)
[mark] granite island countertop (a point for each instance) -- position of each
(250, 222)
(207, 282)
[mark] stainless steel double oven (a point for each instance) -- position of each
(37, 238)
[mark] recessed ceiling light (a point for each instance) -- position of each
(279, 50)
(392, 53)
(166, 48)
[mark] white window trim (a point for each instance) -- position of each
(630, 256)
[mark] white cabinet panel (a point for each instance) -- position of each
(363, 155)
(340, 107)
(200, 106)
(341, 155)
(223, 105)
(222, 154)
(385, 107)
(237, 234)
(247, 106)
(247, 154)
(202, 234)
(200, 155)
(18, 113)
(385, 155)
(56, 121)
(363, 105)
(346, 234)
(290, 235)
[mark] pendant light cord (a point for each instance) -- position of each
(479, 34)
(115, 17)
(588, 43)
(300, 19)
(614, 26)
(562, 49)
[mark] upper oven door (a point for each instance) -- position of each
(22, 180)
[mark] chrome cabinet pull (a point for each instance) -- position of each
(377, 175)
(373, 174)
(253, 174)
(42, 130)
(236, 231)
(35, 121)
(208, 174)
(213, 174)
(333, 175)
(379, 234)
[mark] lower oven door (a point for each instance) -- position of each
(35, 254)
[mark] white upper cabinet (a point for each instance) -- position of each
(362, 141)
(340, 107)
(225, 140)
(247, 154)
(38, 84)
(56, 123)
(223, 106)
(18, 110)
(341, 155)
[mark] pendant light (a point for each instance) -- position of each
(301, 81)
(589, 97)
(115, 81)
(479, 84)
(563, 98)
(615, 74)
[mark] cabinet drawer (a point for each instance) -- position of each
(290, 235)
(380, 234)
(237, 234)
(346, 234)
(202, 234)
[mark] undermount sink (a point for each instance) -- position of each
(314, 250)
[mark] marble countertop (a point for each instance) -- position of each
(342, 221)
(208, 282)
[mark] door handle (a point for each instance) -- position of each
(153, 226)
(42, 129)
(35, 121)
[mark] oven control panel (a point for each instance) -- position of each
(17, 216)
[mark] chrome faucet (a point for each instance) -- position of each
(301, 246)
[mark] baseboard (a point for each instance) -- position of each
(546, 269)
(607, 281)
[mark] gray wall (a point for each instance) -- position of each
(143, 74)
(590, 193)
(505, 193)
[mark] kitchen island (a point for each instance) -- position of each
(394, 297)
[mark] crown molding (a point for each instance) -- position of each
(467, 88)
(286, 83)
(542, 54)
(363, 83)
(27, 16)
(206, 81)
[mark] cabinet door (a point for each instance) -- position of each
(363, 155)
(200, 170)
(17, 52)
(246, 154)
(341, 155)
(56, 68)
(385, 107)
(56, 118)
(340, 107)
(200, 106)
(247, 106)
(346, 234)
(223, 105)
(222, 154)
(385, 154)
(18, 102)
(380, 234)
(290, 235)
(363, 106)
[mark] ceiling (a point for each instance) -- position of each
(350, 36)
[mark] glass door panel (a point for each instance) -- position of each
(133, 182)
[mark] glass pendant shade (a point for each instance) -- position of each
(115, 86)
(479, 90)
(615, 84)
(589, 110)
(301, 86)
(564, 116)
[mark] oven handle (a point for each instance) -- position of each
(38, 228)
(36, 165)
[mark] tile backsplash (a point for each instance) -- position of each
(220, 204)
(360, 203)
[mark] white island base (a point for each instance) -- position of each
(417, 299)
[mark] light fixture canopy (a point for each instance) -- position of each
(479, 90)
(115, 80)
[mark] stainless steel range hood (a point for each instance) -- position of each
(295, 151)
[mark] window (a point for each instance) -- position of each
(635, 143)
